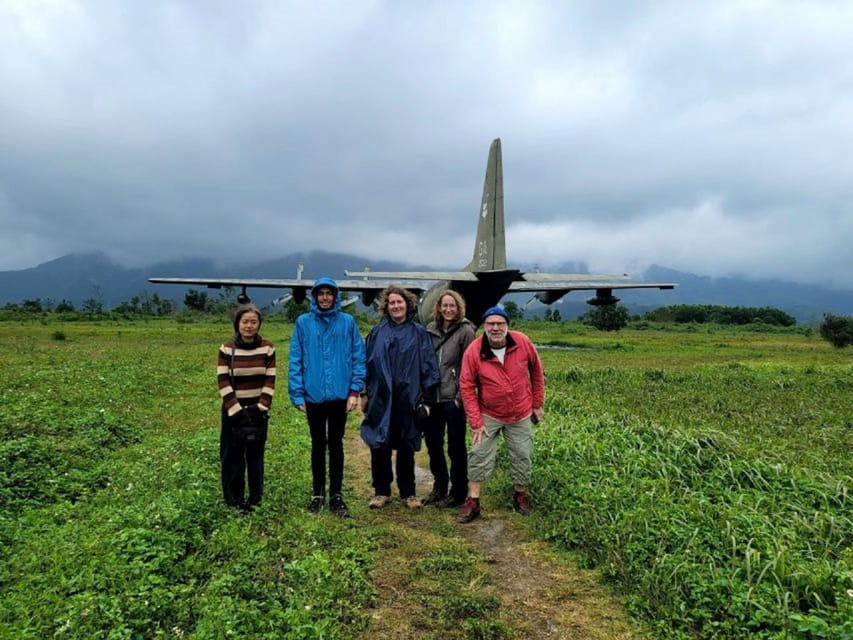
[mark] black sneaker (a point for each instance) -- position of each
(450, 501)
(433, 497)
(316, 504)
(338, 506)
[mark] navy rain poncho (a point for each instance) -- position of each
(401, 368)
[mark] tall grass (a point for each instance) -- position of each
(715, 496)
(706, 473)
(111, 522)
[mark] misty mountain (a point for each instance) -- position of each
(79, 277)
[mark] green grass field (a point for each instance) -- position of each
(705, 473)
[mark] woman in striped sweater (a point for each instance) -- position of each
(246, 375)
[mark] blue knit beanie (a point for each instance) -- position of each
(496, 311)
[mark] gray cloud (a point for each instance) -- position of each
(711, 139)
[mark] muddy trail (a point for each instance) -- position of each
(439, 579)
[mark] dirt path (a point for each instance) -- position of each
(558, 600)
(487, 579)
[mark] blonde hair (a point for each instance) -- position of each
(460, 304)
(408, 296)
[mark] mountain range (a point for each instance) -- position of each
(78, 277)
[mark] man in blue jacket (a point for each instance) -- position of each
(325, 378)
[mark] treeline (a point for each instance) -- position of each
(145, 304)
(195, 303)
(718, 314)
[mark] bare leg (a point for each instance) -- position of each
(473, 489)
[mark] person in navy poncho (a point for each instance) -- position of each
(402, 371)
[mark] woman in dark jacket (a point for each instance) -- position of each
(451, 333)
(402, 372)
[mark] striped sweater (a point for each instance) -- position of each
(253, 375)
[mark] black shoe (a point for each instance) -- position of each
(450, 501)
(338, 506)
(433, 497)
(316, 504)
(245, 508)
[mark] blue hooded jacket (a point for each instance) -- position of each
(326, 353)
(401, 368)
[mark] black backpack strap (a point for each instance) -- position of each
(447, 335)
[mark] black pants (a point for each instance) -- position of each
(448, 415)
(327, 422)
(383, 476)
(241, 457)
(380, 460)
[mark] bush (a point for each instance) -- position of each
(611, 317)
(837, 330)
(720, 314)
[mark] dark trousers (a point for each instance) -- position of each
(383, 476)
(380, 459)
(447, 416)
(327, 422)
(241, 457)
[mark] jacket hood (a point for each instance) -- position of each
(325, 282)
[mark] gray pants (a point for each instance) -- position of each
(519, 445)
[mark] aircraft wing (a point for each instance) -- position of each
(430, 276)
(369, 289)
(553, 287)
(536, 276)
(583, 284)
(270, 283)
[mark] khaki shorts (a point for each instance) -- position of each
(519, 444)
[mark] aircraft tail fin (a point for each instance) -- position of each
(490, 244)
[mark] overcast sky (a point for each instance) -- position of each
(714, 138)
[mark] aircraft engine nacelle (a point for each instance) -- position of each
(603, 297)
(299, 294)
(367, 297)
(549, 297)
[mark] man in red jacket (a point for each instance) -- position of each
(503, 390)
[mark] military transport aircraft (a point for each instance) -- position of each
(483, 282)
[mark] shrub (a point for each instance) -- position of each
(611, 317)
(837, 330)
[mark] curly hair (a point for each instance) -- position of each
(460, 304)
(408, 296)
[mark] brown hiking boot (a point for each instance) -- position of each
(377, 502)
(413, 502)
(521, 503)
(470, 510)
